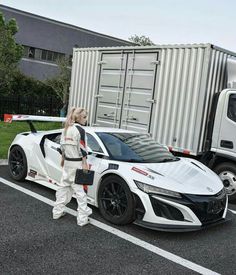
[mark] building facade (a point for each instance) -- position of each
(45, 40)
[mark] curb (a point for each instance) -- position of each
(3, 162)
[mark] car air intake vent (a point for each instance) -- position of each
(113, 166)
(198, 166)
(155, 172)
(165, 210)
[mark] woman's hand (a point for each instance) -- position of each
(85, 165)
(62, 162)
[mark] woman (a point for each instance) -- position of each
(74, 155)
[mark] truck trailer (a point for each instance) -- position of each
(183, 95)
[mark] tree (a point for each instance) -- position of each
(61, 82)
(141, 40)
(10, 53)
(27, 86)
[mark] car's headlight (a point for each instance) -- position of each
(156, 190)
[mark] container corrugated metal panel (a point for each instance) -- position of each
(179, 95)
(84, 80)
(186, 80)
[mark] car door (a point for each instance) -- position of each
(52, 156)
(227, 130)
(95, 158)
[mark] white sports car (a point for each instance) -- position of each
(136, 179)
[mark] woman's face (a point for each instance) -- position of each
(82, 118)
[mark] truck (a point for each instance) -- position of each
(184, 96)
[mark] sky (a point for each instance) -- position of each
(163, 21)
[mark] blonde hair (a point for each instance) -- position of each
(74, 115)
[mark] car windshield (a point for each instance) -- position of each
(133, 147)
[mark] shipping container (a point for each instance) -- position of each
(165, 90)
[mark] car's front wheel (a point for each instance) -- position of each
(17, 163)
(115, 200)
(227, 172)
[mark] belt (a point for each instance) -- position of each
(72, 159)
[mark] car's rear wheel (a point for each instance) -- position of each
(227, 172)
(115, 200)
(17, 163)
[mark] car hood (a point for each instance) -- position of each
(184, 176)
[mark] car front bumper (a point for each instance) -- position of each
(189, 213)
(182, 228)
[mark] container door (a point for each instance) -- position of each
(139, 90)
(110, 91)
(126, 88)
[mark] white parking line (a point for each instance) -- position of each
(233, 211)
(160, 252)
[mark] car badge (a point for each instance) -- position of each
(209, 189)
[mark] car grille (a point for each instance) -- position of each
(208, 208)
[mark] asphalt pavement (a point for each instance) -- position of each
(31, 242)
(3, 162)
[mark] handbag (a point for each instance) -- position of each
(84, 177)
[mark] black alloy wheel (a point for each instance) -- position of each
(115, 201)
(17, 163)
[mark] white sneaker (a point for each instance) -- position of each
(56, 217)
(83, 223)
(90, 212)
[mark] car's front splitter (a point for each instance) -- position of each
(182, 228)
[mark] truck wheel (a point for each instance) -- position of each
(227, 172)
(115, 201)
(17, 163)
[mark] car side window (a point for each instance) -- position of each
(57, 139)
(93, 144)
(232, 108)
(54, 137)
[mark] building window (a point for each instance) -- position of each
(26, 50)
(40, 54)
(55, 56)
(49, 56)
(60, 55)
(31, 52)
(44, 55)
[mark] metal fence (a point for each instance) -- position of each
(49, 106)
